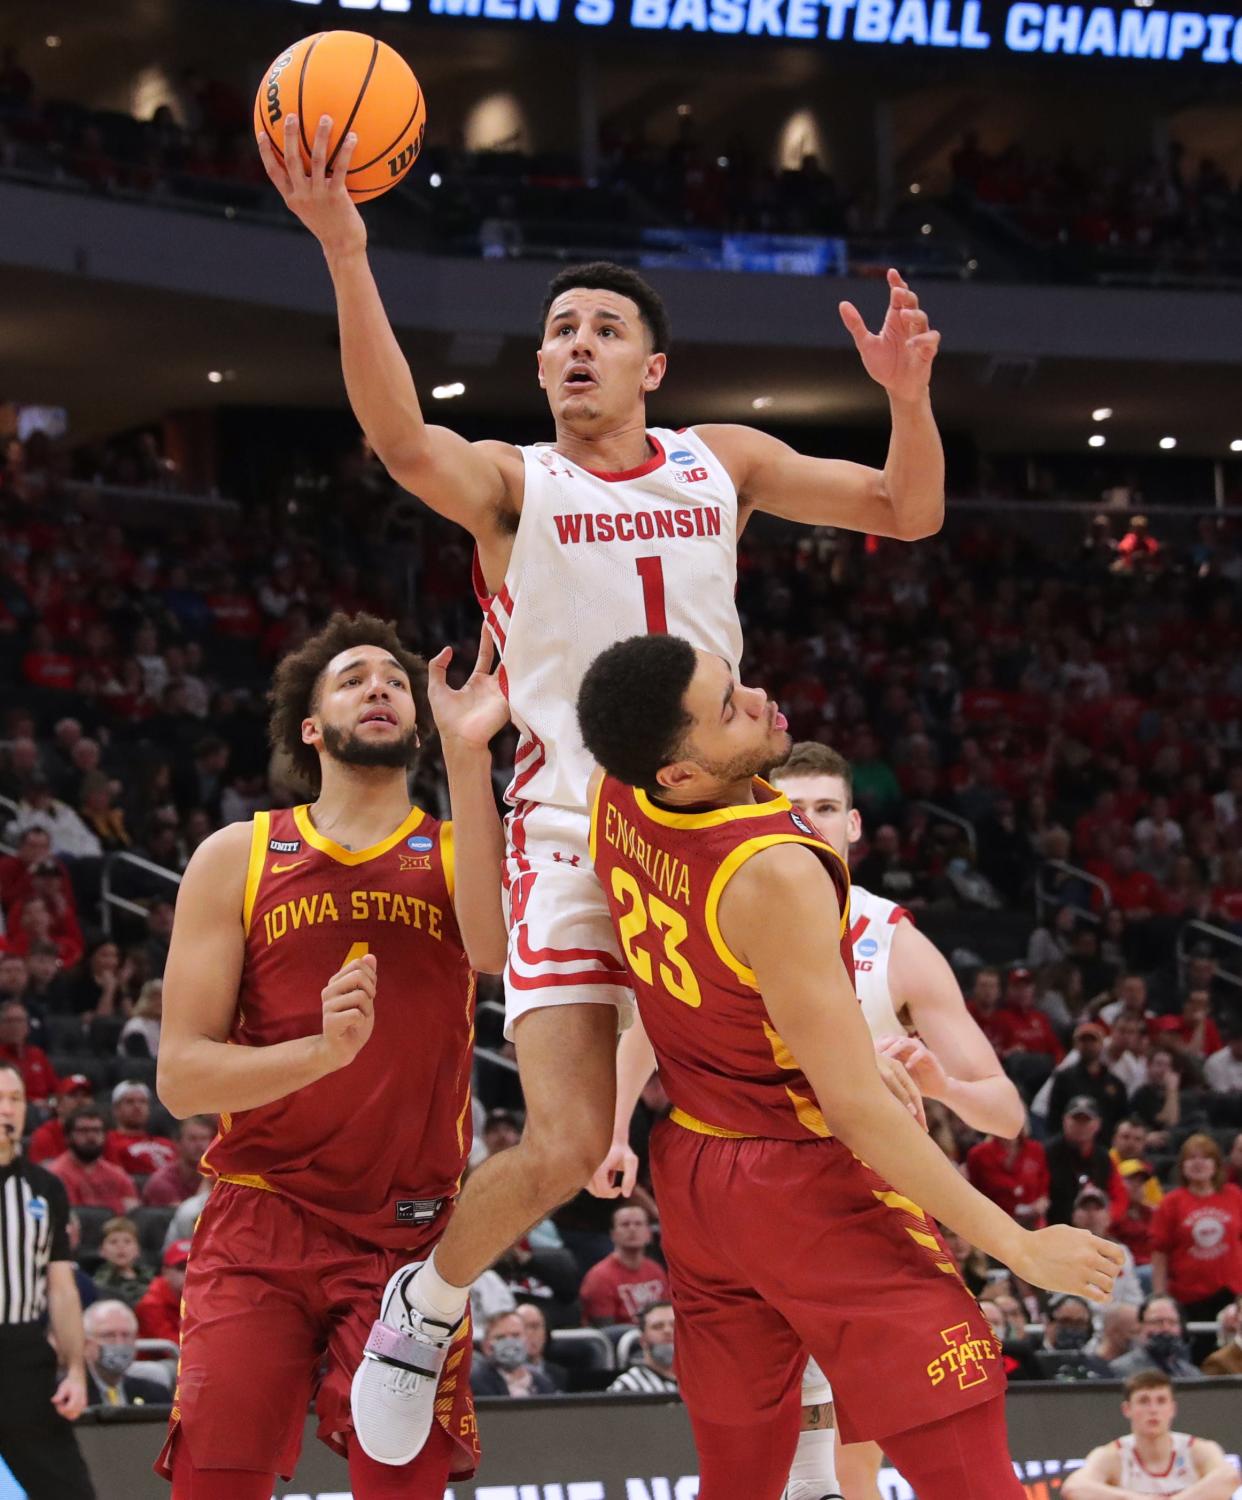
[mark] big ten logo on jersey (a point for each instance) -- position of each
(864, 955)
(321, 907)
(688, 469)
(964, 1356)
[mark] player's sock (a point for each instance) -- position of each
(813, 1475)
(433, 1297)
(962, 1457)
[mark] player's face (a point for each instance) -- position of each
(822, 801)
(365, 715)
(595, 361)
(736, 732)
(1150, 1413)
(12, 1108)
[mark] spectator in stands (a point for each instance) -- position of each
(1067, 1332)
(1052, 943)
(1017, 1354)
(1089, 1076)
(1131, 1138)
(87, 1177)
(132, 1145)
(1130, 999)
(501, 1130)
(49, 1139)
(1093, 1212)
(546, 1274)
(1138, 551)
(99, 987)
(111, 1346)
(1227, 1359)
(14, 986)
(1223, 1075)
(653, 1373)
(984, 1005)
(1125, 1053)
(122, 1274)
(1030, 1047)
(159, 934)
(1158, 1102)
(1197, 1233)
(1194, 1030)
(140, 1036)
(1077, 1157)
(159, 1311)
(1013, 1174)
(46, 986)
(1160, 1345)
(886, 870)
(39, 809)
(48, 888)
(102, 813)
(1119, 1324)
(505, 1367)
(1132, 1227)
(31, 1062)
(535, 1331)
(180, 1178)
(620, 1286)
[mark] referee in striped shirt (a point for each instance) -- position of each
(37, 1441)
(653, 1374)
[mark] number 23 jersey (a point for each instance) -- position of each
(597, 558)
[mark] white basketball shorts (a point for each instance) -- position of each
(562, 946)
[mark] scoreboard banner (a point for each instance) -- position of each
(639, 1447)
(1134, 33)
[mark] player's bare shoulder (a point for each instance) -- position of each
(739, 448)
(216, 873)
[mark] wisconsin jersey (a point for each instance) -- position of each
(1136, 1479)
(873, 926)
(599, 557)
(375, 1145)
(722, 1062)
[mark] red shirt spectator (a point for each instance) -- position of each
(49, 1140)
(1194, 1030)
(1132, 1226)
(63, 929)
(1201, 1236)
(1022, 1028)
(1132, 890)
(88, 1179)
(181, 1179)
(31, 1062)
(984, 1006)
(621, 1285)
(1013, 1174)
(131, 1145)
(159, 1310)
(17, 881)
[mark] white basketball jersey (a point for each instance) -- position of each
(599, 557)
(1179, 1476)
(874, 926)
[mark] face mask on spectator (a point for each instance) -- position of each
(509, 1352)
(1164, 1348)
(1070, 1336)
(115, 1359)
(662, 1354)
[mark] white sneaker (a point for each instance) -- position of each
(801, 1490)
(393, 1394)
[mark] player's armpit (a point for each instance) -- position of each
(1097, 1479)
(470, 483)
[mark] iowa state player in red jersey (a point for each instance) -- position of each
(733, 917)
(319, 997)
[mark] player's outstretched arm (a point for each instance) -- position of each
(1218, 1474)
(1096, 1480)
(199, 1071)
(779, 914)
(951, 1059)
(463, 481)
(468, 719)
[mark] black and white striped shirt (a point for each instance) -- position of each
(34, 1230)
(642, 1380)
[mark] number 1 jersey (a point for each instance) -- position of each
(599, 557)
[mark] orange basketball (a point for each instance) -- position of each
(365, 87)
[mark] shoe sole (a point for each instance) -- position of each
(395, 1281)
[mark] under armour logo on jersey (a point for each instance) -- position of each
(567, 859)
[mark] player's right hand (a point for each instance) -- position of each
(349, 1010)
(620, 1163)
(317, 197)
(1063, 1259)
(902, 1087)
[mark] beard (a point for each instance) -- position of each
(761, 761)
(351, 750)
(88, 1151)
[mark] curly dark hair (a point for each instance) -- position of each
(606, 275)
(631, 708)
(295, 688)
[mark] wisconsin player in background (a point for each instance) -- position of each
(612, 528)
(734, 920)
(319, 997)
(1152, 1459)
(897, 971)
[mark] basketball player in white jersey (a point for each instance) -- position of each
(610, 530)
(897, 972)
(1152, 1459)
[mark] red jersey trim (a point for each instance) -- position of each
(259, 832)
(619, 476)
(338, 852)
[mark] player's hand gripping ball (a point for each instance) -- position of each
(365, 88)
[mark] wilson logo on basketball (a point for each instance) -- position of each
(274, 108)
(398, 164)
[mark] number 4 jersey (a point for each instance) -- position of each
(597, 558)
(376, 1145)
(722, 1062)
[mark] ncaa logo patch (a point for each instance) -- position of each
(420, 843)
(683, 456)
(37, 1209)
(867, 948)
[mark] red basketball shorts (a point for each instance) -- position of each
(778, 1247)
(278, 1304)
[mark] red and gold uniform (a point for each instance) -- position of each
(778, 1239)
(322, 1195)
